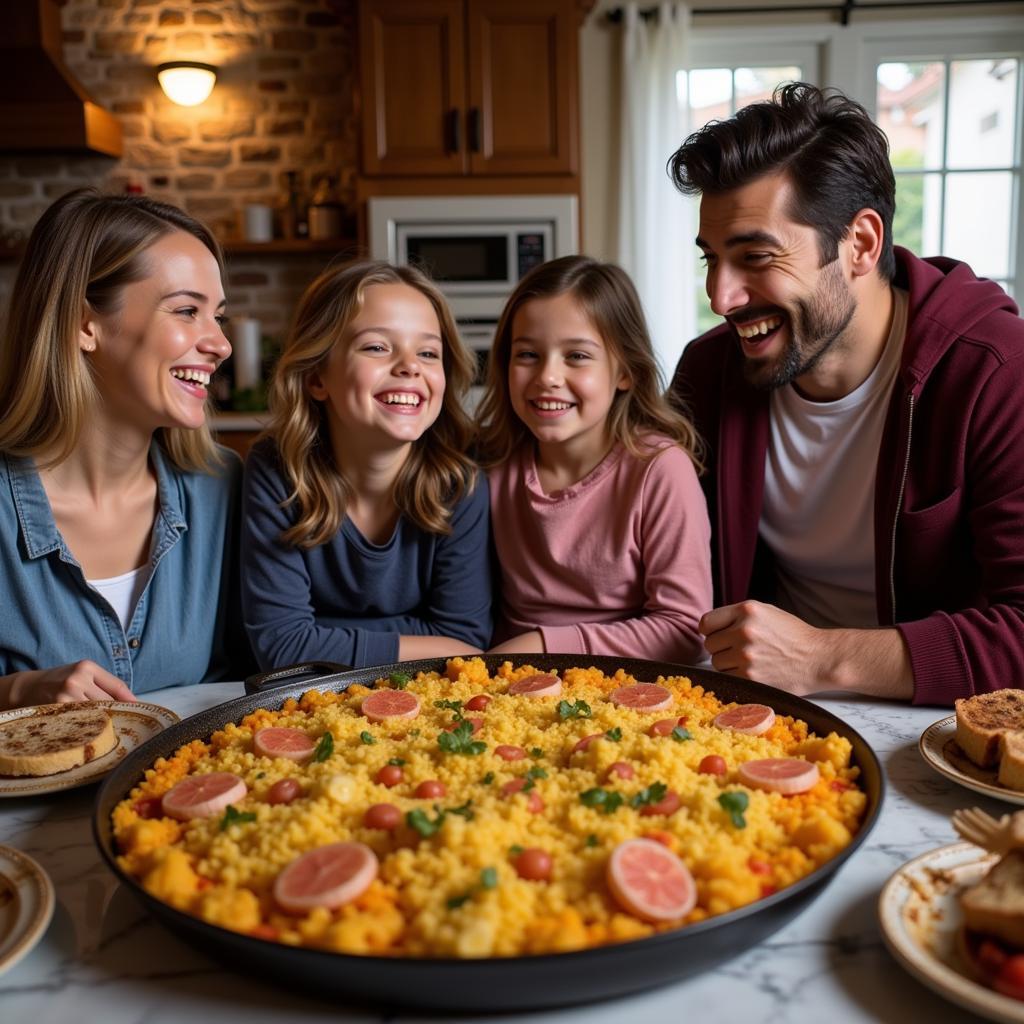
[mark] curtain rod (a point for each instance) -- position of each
(844, 10)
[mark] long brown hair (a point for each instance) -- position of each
(607, 296)
(437, 472)
(81, 254)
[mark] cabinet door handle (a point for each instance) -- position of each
(454, 130)
(473, 119)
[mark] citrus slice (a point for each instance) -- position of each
(786, 775)
(383, 704)
(541, 685)
(750, 719)
(278, 741)
(203, 796)
(329, 876)
(650, 882)
(642, 697)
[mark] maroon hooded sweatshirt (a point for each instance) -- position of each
(949, 487)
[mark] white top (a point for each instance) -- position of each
(122, 593)
(819, 493)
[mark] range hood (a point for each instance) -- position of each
(42, 107)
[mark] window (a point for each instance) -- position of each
(711, 94)
(953, 127)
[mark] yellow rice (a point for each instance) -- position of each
(225, 875)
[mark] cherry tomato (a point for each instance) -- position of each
(534, 864)
(390, 775)
(478, 703)
(621, 769)
(768, 890)
(759, 867)
(668, 804)
(284, 791)
(663, 727)
(382, 816)
(149, 807)
(476, 723)
(513, 786)
(430, 789)
(712, 765)
(535, 803)
(839, 785)
(509, 753)
(586, 741)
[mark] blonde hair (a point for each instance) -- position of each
(82, 252)
(609, 299)
(437, 472)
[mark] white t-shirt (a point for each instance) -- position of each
(122, 593)
(819, 493)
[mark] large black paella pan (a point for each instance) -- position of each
(500, 983)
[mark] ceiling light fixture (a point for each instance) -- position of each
(185, 82)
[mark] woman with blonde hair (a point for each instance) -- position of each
(116, 506)
(365, 525)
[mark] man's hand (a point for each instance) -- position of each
(81, 680)
(762, 642)
(525, 643)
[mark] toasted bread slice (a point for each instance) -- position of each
(995, 906)
(55, 738)
(982, 720)
(1011, 761)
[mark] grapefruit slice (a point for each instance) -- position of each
(650, 882)
(642, 697)
(786, 775)
(278, 741)
(383, 704)
(541, 685)
(328, 876)
(750, 719)
(203, 796)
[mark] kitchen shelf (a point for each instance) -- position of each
(282, 246)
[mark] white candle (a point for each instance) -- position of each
(245, 346)
(259, 223)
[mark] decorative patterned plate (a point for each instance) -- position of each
(919, 911)
(134, 723)
(26, 905)
(939, 748)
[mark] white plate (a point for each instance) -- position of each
(134, 723)
(26, 905)
(919, 911)
(934, 747)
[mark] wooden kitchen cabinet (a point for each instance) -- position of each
(469, 87)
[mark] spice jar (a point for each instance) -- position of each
(326, 210)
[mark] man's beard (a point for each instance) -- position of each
(816, 324)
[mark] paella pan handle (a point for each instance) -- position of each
(263, 681)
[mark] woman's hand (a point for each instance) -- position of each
(525, 643)
(82, 680)
(414, 648)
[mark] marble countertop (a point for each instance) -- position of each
(102, 958)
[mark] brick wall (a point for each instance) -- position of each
(283, 100)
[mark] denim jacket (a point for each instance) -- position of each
(179, 631)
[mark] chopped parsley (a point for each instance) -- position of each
(427, 826)
(515, 849)
(454, 706)
(399, 680)
(591, 840)
(488, 880)
(456, 901)
(573, 709)
(536, 753)
(614, 734)
(324, 748)
(681, 735)
(233, 817)
(488, 778)
(652, 794)
(734, 804)
(367, 738)
(261, 775)
(606, 800)
(396, 761)
(460, 740)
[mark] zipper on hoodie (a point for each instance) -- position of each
(899, 507)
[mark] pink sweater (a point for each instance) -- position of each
(617, 564)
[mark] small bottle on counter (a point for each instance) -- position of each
(326, 212)
(294, 222)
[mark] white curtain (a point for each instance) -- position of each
(656, 229)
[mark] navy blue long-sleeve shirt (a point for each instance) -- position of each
(349, 600)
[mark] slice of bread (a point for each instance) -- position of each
(1011, 761)
(995, 906)
(55, 738)
(982, 720)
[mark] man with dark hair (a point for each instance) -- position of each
(864, 419)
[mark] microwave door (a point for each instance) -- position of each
(464, 259)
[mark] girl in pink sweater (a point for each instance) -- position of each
(598, 518)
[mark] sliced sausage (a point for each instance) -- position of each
(382, 704)
(642, 697)
(650, 882)
(329, 876)
(540, 685)
(750, 719)
(203, 796)
(786, 775)
(277, 741)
